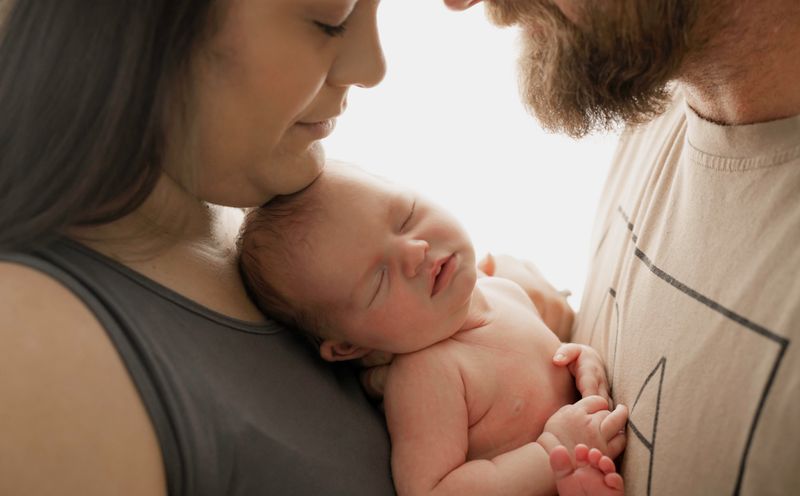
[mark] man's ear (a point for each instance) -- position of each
(335, 351)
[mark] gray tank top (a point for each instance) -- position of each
(238, 408)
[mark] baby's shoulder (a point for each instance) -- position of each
(438, 356)
(500, 291)
(440, 360)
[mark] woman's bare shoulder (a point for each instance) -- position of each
(76, 423)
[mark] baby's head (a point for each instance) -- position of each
(360, 263)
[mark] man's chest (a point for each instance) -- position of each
(690, 305)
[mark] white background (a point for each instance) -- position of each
(448, 122)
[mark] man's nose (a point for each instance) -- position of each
(460, 4)
(413, 253)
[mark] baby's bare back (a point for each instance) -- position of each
(510, 382)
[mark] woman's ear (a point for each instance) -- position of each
(337, 351)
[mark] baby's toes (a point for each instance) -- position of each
(560, 462)
(606, 464)
(582, 455)
(595, 455)
(614, 481)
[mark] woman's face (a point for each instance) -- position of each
(266, 88)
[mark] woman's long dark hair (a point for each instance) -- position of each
(84, 86)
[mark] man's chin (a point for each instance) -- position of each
(578, 80)
(570, 101)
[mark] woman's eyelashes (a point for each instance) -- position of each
(332, 31)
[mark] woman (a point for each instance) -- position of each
(132, 360)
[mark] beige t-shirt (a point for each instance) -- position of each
(693, 300)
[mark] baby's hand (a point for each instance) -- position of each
(592, 474)
(587, 422)
(585, 364)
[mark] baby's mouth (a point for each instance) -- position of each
(442, 273)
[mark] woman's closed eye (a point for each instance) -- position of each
(332, 31)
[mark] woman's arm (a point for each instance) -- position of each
(72, 420)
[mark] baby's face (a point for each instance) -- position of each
(397, 271)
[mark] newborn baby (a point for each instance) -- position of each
(474, 403)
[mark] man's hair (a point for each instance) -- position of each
(272, 246)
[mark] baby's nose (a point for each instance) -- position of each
(414, 252)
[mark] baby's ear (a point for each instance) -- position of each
(337, 351)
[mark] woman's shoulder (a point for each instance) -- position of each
(71, 401)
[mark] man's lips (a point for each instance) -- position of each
(442, 273)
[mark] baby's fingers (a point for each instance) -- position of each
(593, 404)
(616, 446)
(585, 364)
(566, 354)
(591, 384)
(614, 422)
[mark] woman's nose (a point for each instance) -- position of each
(361, 61)
(412, 255)
(460, 4)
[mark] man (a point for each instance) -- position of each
(693, 298)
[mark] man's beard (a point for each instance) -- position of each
(612, 68)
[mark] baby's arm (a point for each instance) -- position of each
(427, 414)
(426, 411)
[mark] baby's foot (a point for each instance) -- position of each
(593, 473)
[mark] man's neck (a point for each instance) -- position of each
(750, 69)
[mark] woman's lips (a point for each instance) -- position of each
(317, 130)
(445, 274)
